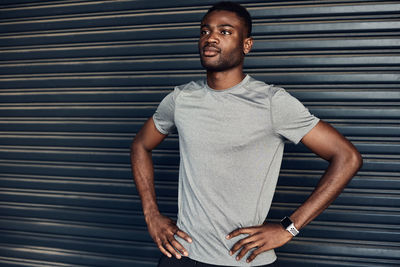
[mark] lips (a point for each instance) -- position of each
(210, 50)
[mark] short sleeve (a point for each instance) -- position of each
(164, 116)
(290, 118)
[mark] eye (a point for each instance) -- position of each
(203, 32)
(226, 32)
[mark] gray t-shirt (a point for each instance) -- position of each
(231, 146)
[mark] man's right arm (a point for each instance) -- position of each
(162, 229)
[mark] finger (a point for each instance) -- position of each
(161, 248)
(244, 250)
(171, 249)
(241, 243)
(179, 247)
(184, 235)
(240, 231)
(254, 254)
(165, 252)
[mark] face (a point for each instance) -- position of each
(223, 42)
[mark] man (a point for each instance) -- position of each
(231, 134)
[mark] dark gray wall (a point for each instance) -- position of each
(79, 78)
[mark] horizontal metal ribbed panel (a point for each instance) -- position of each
(79, 78)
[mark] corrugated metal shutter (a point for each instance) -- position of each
(79, 78)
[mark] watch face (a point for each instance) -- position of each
(286, 222)
(288, 225)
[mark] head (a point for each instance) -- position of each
(236, 8)
(225, 37)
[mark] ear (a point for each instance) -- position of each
(247, 45)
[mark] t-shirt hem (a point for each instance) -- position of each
(306, 130)
(158, 127)
(244, 263)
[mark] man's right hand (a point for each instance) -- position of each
(163, 230)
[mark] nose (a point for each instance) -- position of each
(213, 37)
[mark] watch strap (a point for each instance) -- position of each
(288, 225)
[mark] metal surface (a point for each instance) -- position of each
(79, 78)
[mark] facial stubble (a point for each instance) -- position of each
(224, 61)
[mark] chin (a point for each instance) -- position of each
(217, 67)
(209, 66)
(214, 64)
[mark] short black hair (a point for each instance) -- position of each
(236, 8)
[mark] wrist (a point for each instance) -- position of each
(151, 213)
(289, 226)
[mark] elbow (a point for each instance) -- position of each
(349, 159)
(359, 161)
(134, 146)
(138, 147)
(354, 159)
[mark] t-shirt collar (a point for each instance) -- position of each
(245, 80)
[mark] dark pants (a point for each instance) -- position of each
(186, 262)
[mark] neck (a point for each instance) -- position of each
(224, 79)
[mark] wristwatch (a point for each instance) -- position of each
(289, 226)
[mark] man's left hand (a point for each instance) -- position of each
(264, 237)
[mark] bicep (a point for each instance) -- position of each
(326, 141)
(149, 137)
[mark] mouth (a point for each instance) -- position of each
(210, 51)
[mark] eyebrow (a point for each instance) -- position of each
(218, 26)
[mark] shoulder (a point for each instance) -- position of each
(187, 88)
(283, 101)
(190, 86)
(268, 90)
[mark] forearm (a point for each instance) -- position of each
(339, 172)
(269, 235)
(143, 173)
(162, 229)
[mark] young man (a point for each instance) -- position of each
(231, 134)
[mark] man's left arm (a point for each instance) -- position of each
(344, 162)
